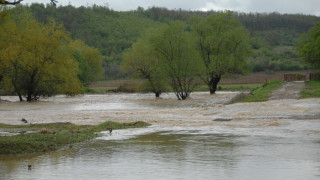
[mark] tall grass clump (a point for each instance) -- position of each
(313, 90)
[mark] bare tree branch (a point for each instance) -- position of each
(10, 3)
(54, 2)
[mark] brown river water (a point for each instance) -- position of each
(277, 139)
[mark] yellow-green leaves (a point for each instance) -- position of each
(35, 60)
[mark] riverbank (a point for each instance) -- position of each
(262, 93)
(32, 138)
(234, 83)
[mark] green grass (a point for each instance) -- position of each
(313, 90)
(263, 92)
(50, 137)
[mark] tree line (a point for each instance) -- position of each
(273, 35)
(39, 57)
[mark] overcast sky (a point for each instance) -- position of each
(281, 6)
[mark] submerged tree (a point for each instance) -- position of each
(309, 46)
(173, 45)
(36, 59)
(223, 44)
(143, 61)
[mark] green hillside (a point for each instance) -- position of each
(273, 35)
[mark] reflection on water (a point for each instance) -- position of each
(278, 139)
(174, 154)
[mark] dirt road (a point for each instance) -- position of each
(290, 90)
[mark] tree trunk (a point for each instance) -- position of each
(184, 97)
(29, 98)
(17, 91)
(30, 92)
(213, 84)
(20, 97)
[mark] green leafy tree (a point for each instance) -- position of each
(309, 46)
(142, 60)
(35, 59)
(173, 45)
(89, 60)
(223, 44)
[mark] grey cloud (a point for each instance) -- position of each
(282, 6)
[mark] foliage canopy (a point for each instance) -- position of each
(166, 53)
(143, 61)
(112, 32)
(174, 46)
(223, 44)
(309, 46)
(35, 58)
(89, 60)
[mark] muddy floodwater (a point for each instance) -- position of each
(203, 137)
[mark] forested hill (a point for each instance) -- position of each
(253, 21)
(112, 32)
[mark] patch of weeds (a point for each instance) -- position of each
(262, 93)
(313, 90)
(50, 137)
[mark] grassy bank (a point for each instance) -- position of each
(262, 93)
(50, 137)
(312, 91)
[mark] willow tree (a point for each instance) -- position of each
(35, 59)
(142, 60)
(174, 47)
(223, 44)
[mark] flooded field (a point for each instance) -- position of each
(201, 138)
